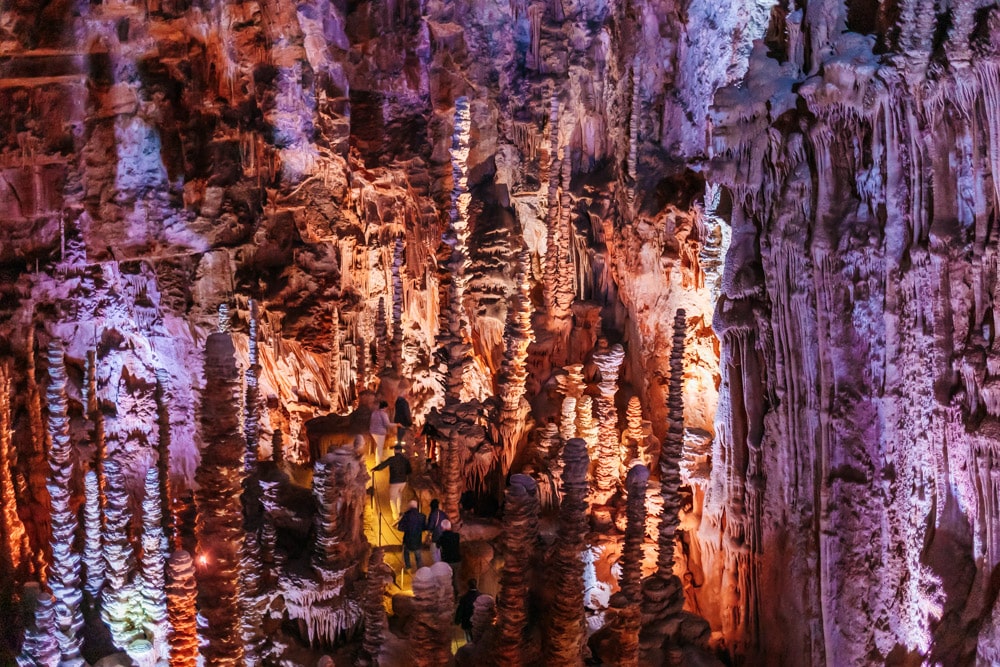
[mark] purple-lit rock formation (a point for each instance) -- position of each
(762, 235)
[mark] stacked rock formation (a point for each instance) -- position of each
(520, 535)
(182, 600)
(607, 465)
(41, 644)
(662, 595)
(513, 375)
(632, 556)
(566, 621)
(151, 584)
(484, 614)
(433, 608)
(118, 595)
(219, 526)
(64, 573)
(376, 621)
(93, 560)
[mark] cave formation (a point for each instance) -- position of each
(692, 304)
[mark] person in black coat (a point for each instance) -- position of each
(466, 607)
(412, 524)
(403, 418)
(399, 472)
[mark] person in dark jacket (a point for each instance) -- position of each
(434, 525)
(412, 525)
(403, 418)
(466, 606)
(451, 550)
(399, 472)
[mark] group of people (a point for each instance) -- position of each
(445, 543)
(379, 424)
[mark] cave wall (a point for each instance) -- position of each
(857, 420)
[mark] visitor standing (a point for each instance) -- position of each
(378, 427)
(449, 544)
(403, 417)
(412, 525)
(399, 472)
(466, 607)
(434, 526)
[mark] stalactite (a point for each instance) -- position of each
(339, 385)
(606, 469)
(182, 595)
(92, 560)
(219, 526)
(566, 627)
(520, 535)
(64, 573)
(151, 575)
(376, 621)
(673, 449)
(41, 647)
(118, 595)
(433, 608)
(533, 58)
(14, 551)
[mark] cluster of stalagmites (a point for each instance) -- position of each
(149, 602)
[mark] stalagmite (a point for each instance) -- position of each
(433, 608)
(251, 575)
(514, 369)
(662, 594)
(64, 573)
(93, 561)
(396, 347)
(483, 615)
(182, 597)
(376, 622)
(567, 421)
(566, 623)
(586, 427)
(14, 550)
(151, 584)
(41, 646)
(219, 526)
(118, 597)
(632, 438)
(635, 533)
(520, 521)
(451, 473)
(673, 446)
(629, 615)
(606, 468)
